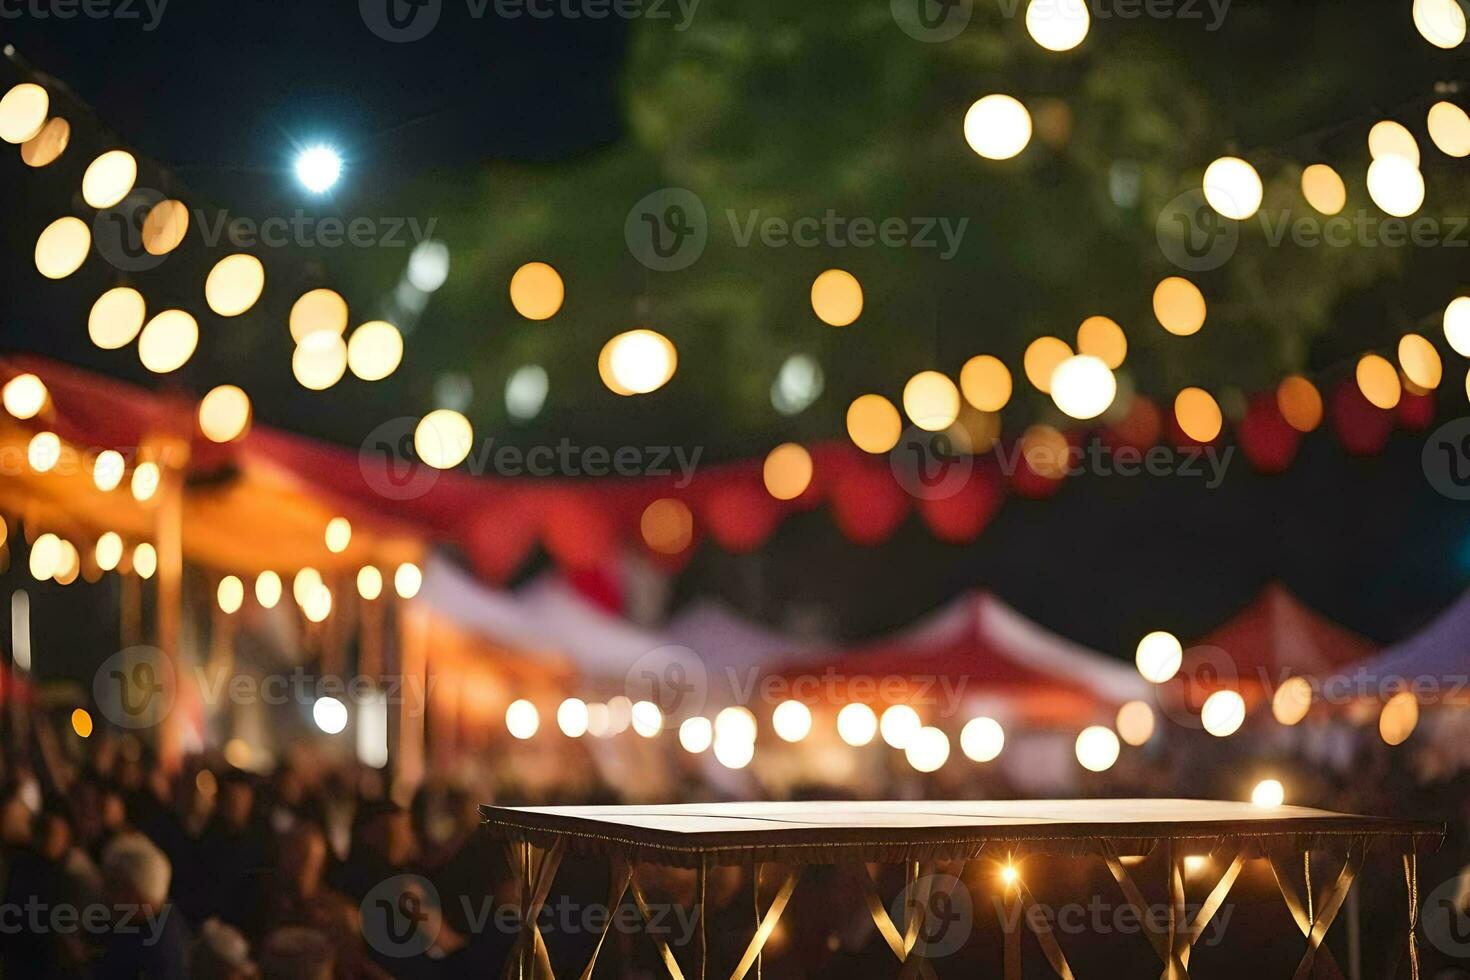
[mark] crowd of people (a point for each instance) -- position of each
(118, 870)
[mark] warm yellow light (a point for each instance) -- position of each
(1396, 186)
(873, 424)
(898, 725)
(1420, 361)
(1102, 338)
(145, 560)
(43, 452)
(1378, 381)
(837, 297)
(224, 414)
(1399, 718)
(144, 485)
(23, 112)
(81, 723)
(1441, 22)
(1292, 700)
(928, 750)
(407, 580)
(997, 127)
(735, 724)
(47, 146)
(856, 724)
(116, 318)
(696, 735)
(982, 739)
(931, 401)
(168, 341)
(1097, 748)
(1300, 403)
(1043, 356)
(522, 719)
(667, 526)
(1083, 387)
(268, 589)
(46, 556)
(305, 582)
(338, 535)
(443, 438)
(369, 582)
(62, 247)
(1159, 656)
(318, 310)
(1057, 25)
(536, 291)
(792, 721)
(571, 717)
(787, 471)
(375, 350)
(318, 604)
(1457, 325)
(1324, 189)
(1233, 188)
(230, 594)
(109, 551)
(1390, 139)
(1223, 713)
(637, 362)
(320, 360)
(1179, 306)
(646, 718)
(1268, 793)
(732, 753)
(70, 564)
(1449, 128)
(1198, 414)
(985, 382)
(1009, 875)
(1136, 723)
(109, 178)
(25, 395)
(165, 226)
(234, 284)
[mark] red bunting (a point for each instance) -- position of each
(1266, 438)
(867, 502)
(959, 517)
(1362, 428)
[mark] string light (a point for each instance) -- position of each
(1300, 403)
(165, 226)
(1097, 748)
(109, 550)
(144, 485)
(224, 414)
(318, 310)
(1324, 189)
(735, 724)
(986, 383)
(637, 362)
(1102, 338)
(318, 604)
(23, 112)
(145, 560)
(522, 719)
(856, 724)
(62, 247)
(407, 580)
(268, 589)
(374, 350)
(1198, 415)
(898, 725)
(873, 424)
(305, 582)
(646, 718)
(537, 291)
(1159, 656)
(1378, 381)
(787, 471)
(116, 318)
(319, 361)
(571, 717)
(230, 594)
(997, 127)
(338, 535)
(1388, 138)
(109, 178)
(733, 753)
(25, 395)
(1449, 128)
(1042, 358)
(837, 298)
(168, 341)
(443, 438)
(1233, 188)
(696, 735)
(1396, 185)
(1420, 361)
(1179, 306)
(1268, 793)
(931, 401)
(1223, 713)
(107, 470)
(1083, 387)
(369, 582)
(792, 721)
(234, 284)
(982, 739)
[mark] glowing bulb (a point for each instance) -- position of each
(318, 168)
(982, 739)
(1324, 189)
(1042, 358)
(1388, 138)
(25, 395)
(44, 451)
(230, 594)
(856, 724)
(928, 750)
(428, 265)
(522, 719)
(330, 715)
(1440, 22)
(374, 350)
(1179, 306)
(792, 721)
(787, 471)
(1300, 403)
(1102, 338)
(837, 297)
(1223, 713)
(986, 383)
(873, 424)
(319, 361)
(46, 556)
(144, 485)
(696, 735)
(443, 438)
(234, 284)
(168, 341)
(735, 724)
(318, 310)
(338, 535)
(1136, 723)
(23, 112)
(637, 362)
(1198, 415)
(997, 127)
(1420, 361)
(1292, 700)
(646, 718)
(268, 589)
(1159, 656)
(318, 604)
(1233, 188)
(733, 753)
(931, 401)
(537, 291)
(307, 581)
(1378, 381)
(109, 178)
(1268, 793)
(109, 551)
(1396, 185)
(1456, 326)
(165, 227)
(116, 318)
(224, 414)
(571, 717)
(62, 247)
(369, 582)
(145, 560)
(899, 725)
(1399, 718)
(1083, 387)
(1009, 875)
(81, 723)
(1097, 748)
(1058, 25)
(1449, 128)
(407, 580)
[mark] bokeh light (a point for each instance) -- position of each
(318, 310)
(537, 291)
(873, 423)
(1399, 718)
(928, 750)
(787, 471)
(571, 717)
(407, 580)
(898, 725)
(145, 560)
(1058, 25)
(1233, 188)
(1268, 793)
(107, 470)
(1198, 415)
(43, 452)
(857, 724)
(522, 719)
(369, 582)
(1324, 189)
(997, 127)
(1449, 128)
(234, 284)
(1159, 656)
(230, 594)
(165, 227)
(792, 721)
(1291, 701)
(47, 146)
(1136, 723)
(1396, 185)
(62, 247)
(109, 550)
(986, 383)
(1083, 387)
(319, 361)
(696, 735)
(374, 350)
(1043, 356)
(1378, 381)
(1223, 713)
(1102, 338)
(338, 535)
(667, 526)
(1300, 403)
(23, 112)
(837, 297)
(318, 168)
(1457, 325)
(931, 401)
(224, 414)
(1390, 139)
(1440, 22)
(330, 715)
(24, 396)
(647, 719)
(109, 178)
(733, 753)
(144, 485)
(1420, 361)
(982, 739)
(637, 362)
(267, 589)
(46, 555)
(116, 318)
(168, 341)
(443, 438)
(1097, 748)
(1179, 306)
(81, 722)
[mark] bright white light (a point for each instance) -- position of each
(318, 167)
(522, 719)
(735, 724)
(928, 750)
(734, 753)
(1223, 713)
(330, 715)
(1097, 748)
(372, 730)
(1083, 387)
(1269, 792)
(525, 392)
(1233, 188)
(696, 734)
(797, 384)
(899, 725)
(856, 724)
(792, 720)
(648, 720)
(428, 265)
(982, 739)
(1159, 656)
(571, 717)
